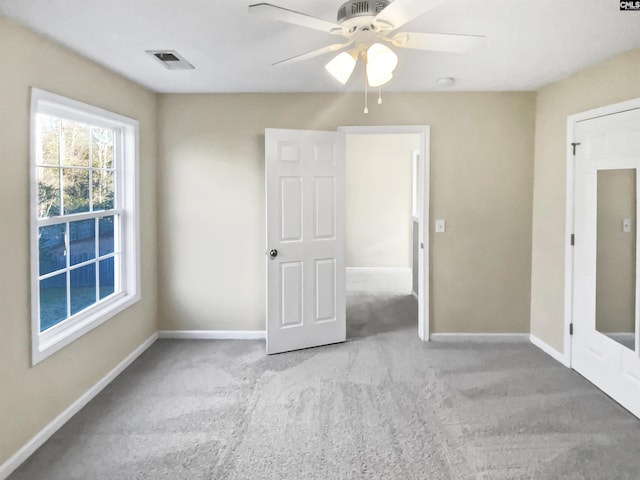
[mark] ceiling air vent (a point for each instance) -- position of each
(171, 59)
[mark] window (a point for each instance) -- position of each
(84, 234)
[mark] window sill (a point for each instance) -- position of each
(47, 343)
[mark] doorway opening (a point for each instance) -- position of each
(386, 247)
(305, 234)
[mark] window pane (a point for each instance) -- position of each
(83, 287)
(48, 192)
(102, 147)
(52, 249)
(107, 277)
(106, 235)
(53, 301)
(48, 149)
(82, 241)
(75, 138)
(102, 190)
(75, 187)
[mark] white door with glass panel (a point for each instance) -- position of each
(305, 184)
(605, 301)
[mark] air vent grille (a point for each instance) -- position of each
(171, 59)
(166, 57)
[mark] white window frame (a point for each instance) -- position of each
(44, 344)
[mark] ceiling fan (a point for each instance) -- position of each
(370, 27)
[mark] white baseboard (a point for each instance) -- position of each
(213, 334)
(480, 337)
(36, 442)
(549, 350)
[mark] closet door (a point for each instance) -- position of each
(605, 301)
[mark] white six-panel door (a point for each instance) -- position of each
(305, 184)
(609, 142)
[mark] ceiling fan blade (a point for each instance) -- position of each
(400, 12)
(267, 10)
(321, 51)
(438, 42)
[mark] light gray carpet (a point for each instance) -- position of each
(381, 406)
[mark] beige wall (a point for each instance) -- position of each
(211, 232)
(378, 199)
(616, 254)
(32, 397)
(612, 81)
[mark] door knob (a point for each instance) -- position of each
(273, 253)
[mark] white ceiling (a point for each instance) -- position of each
(530, 43)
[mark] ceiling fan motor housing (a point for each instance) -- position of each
(360, 8)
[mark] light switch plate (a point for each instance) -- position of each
(626, 225)
(440, 226)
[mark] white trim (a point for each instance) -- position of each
(43, 435)
(552, 352)
(480, 337)
(47, 347)
(382, 129)
(569, 216)
(53, 104)
(415, 160)
(213, 334)
(568, 248)
(423, 237)
(612, 109)
(44, 344)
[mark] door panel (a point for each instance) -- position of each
(325, 290)
(605, 301)
(325, 207)
(324, 153)
(291, 289)
(305, 230)
(291, 209)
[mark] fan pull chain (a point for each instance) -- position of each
(366, 108)
(379, 95)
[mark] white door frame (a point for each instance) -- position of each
(423, 237)
(570, 210)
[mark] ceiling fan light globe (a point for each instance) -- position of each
(378, 77)
(381, 57)
(341, 67)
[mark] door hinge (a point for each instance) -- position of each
(573, 239)
(574, 145)
(571, 329)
